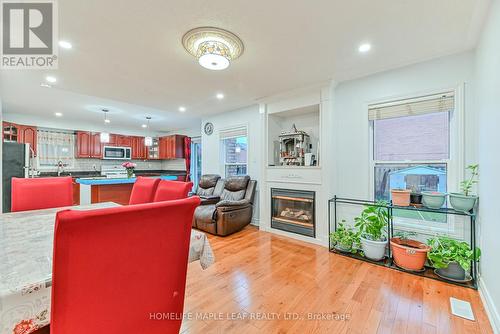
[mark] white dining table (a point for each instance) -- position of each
(26, 245)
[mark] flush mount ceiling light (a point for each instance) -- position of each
(213, 47)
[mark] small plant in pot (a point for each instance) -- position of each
(452, 258)
(415, 197)
(433, 199)
(372, 224)
(345, 239)
(465, 201)
(409, 254)
(400, 197)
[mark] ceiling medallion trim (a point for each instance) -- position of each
(212, 41)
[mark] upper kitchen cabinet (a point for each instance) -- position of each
(123, 141)
(28, 135)
(138, 148)
(88, 145)
(172, 147)
(21, 134)
(11, 132)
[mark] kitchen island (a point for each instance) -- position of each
(101, 189)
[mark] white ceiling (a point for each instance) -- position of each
(130, 51)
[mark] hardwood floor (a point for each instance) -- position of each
(260, 278)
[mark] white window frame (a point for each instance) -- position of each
(455, 165)
(222, 146)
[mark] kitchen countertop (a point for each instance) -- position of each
(97, 181)
(86, 174)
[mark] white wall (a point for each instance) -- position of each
(210, 145)
(487, 104)
(351, 146)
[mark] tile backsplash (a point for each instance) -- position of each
(88, 165)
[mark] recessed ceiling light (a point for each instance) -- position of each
(50, 79)
(144, 125)
(182, 109)
(365, 47)
(65, 44)
(215, 48)
(220, 96)
(45, 85)
(58, 114)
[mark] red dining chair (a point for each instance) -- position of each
(172, 190)
(114, 270)
(144, 190)
(41, 193)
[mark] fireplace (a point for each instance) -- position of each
(293, 211)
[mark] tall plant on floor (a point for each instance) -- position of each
(372, 224)
(465, 201)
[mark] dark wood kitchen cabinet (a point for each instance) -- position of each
(88, 145)
(172, 147)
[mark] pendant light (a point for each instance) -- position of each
(105, 135)
(148, 141)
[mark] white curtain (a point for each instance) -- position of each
(54, 146)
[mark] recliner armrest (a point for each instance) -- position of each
(232, 205)
(209, 200)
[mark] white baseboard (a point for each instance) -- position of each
(295, 236)
(490, 307)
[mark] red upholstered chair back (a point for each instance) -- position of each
(172, 190)
(41, 193)
(144, 190)
(114, 269)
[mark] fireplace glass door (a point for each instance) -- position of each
(293, 211)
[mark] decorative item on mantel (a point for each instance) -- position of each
(130, 166)
(294, 147)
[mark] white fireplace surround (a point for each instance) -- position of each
(310, 178)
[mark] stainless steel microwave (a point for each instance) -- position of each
(117, 153)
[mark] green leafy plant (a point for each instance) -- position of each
(405, 235)
(345, 237)
(372, 223)
(446, 250)
(466, 185)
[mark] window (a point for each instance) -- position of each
(195, 162)
(411, 149)
(54, 146)
(234, 150)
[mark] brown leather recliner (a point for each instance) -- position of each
(209, 188)
(232, 212)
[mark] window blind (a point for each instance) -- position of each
(232, 133)
(444, 102)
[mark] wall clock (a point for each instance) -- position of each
(209, 128)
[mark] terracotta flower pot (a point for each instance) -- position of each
(409, 254)
(400, 197)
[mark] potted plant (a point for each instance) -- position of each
(400, 197)
(452, 258)
(433, 199)
(345, 239)
(130, 166)
(409, 254)
(415, 196)
(465, 201)
(372, 225)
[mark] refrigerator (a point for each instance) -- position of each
(15, 163)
